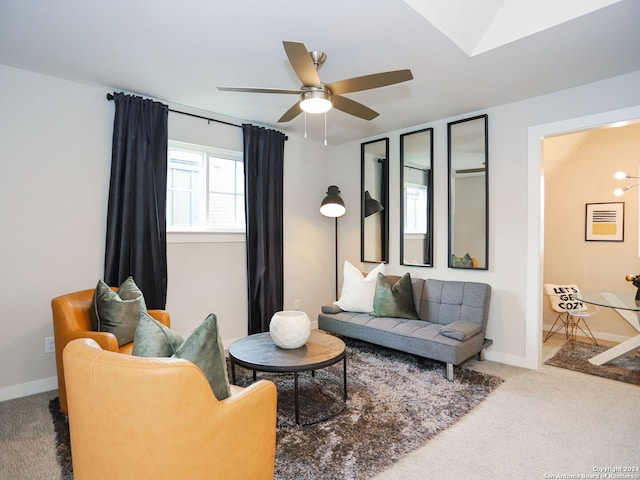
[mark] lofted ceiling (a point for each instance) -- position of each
(463, 58)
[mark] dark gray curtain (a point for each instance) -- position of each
(263, 172)
(136, 217)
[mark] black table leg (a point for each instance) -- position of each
(345, 379)
(295, 396)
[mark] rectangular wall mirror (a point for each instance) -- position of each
(374, 227)
(468, 193)
(416, 198)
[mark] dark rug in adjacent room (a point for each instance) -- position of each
(576, 357)
(396, 403)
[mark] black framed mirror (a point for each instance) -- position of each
(416, 198)
(374, 218)
(468, 159)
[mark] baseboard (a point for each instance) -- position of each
(507, 359)
(29, 388)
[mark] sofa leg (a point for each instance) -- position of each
(481, 355)
(450, 372)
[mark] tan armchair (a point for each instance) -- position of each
(71, 320)
(135, 418)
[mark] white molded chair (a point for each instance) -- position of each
(571, 311)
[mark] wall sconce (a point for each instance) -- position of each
(618, 192)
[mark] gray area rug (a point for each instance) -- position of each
(396, 402)
(576, 357)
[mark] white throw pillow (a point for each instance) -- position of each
(563, 298)
(357, 290)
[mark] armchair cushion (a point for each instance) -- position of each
(117, 312)
(153, 339)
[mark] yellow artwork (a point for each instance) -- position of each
(605, 222)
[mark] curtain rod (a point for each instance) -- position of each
(416, 168)
(209, 120)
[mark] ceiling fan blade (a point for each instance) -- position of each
(353, 108)
(302, 63)
(368, 82)
(290, 114)
(259, 90)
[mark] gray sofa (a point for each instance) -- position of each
(452, 326)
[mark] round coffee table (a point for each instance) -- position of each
(259, 353)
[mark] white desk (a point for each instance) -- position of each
(625, 304)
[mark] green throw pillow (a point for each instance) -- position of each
(204, 348)
(117, 312)
(394, 300)
(466, 261)
(153, 339)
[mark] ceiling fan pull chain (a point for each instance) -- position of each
(325, 129)
(305, 124)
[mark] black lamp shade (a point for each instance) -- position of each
(371, 205)
(332, 205)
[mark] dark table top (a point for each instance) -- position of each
(258, 352)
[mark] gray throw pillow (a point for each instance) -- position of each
(394, 299)
(117, 312)
(460, 330)
(204, 348)
(153, 339)
(331, 309)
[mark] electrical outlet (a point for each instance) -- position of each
(49, 345)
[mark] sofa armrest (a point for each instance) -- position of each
(460, 330)
(333, 308)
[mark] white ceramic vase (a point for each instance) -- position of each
(290, 328)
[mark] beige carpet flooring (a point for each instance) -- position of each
(27, 439)
(542, 424)
(538, 424)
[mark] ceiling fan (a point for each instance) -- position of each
(319, 97)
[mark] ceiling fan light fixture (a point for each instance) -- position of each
(316, 101)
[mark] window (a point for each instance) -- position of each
(415, 210)
(205, 189)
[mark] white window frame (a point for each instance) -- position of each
(204, 235)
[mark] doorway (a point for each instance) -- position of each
(536, 221)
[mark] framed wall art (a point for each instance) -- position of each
(604, 222)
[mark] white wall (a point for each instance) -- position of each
(55, 150)
(53, 162)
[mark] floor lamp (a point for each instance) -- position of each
(333, 206)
